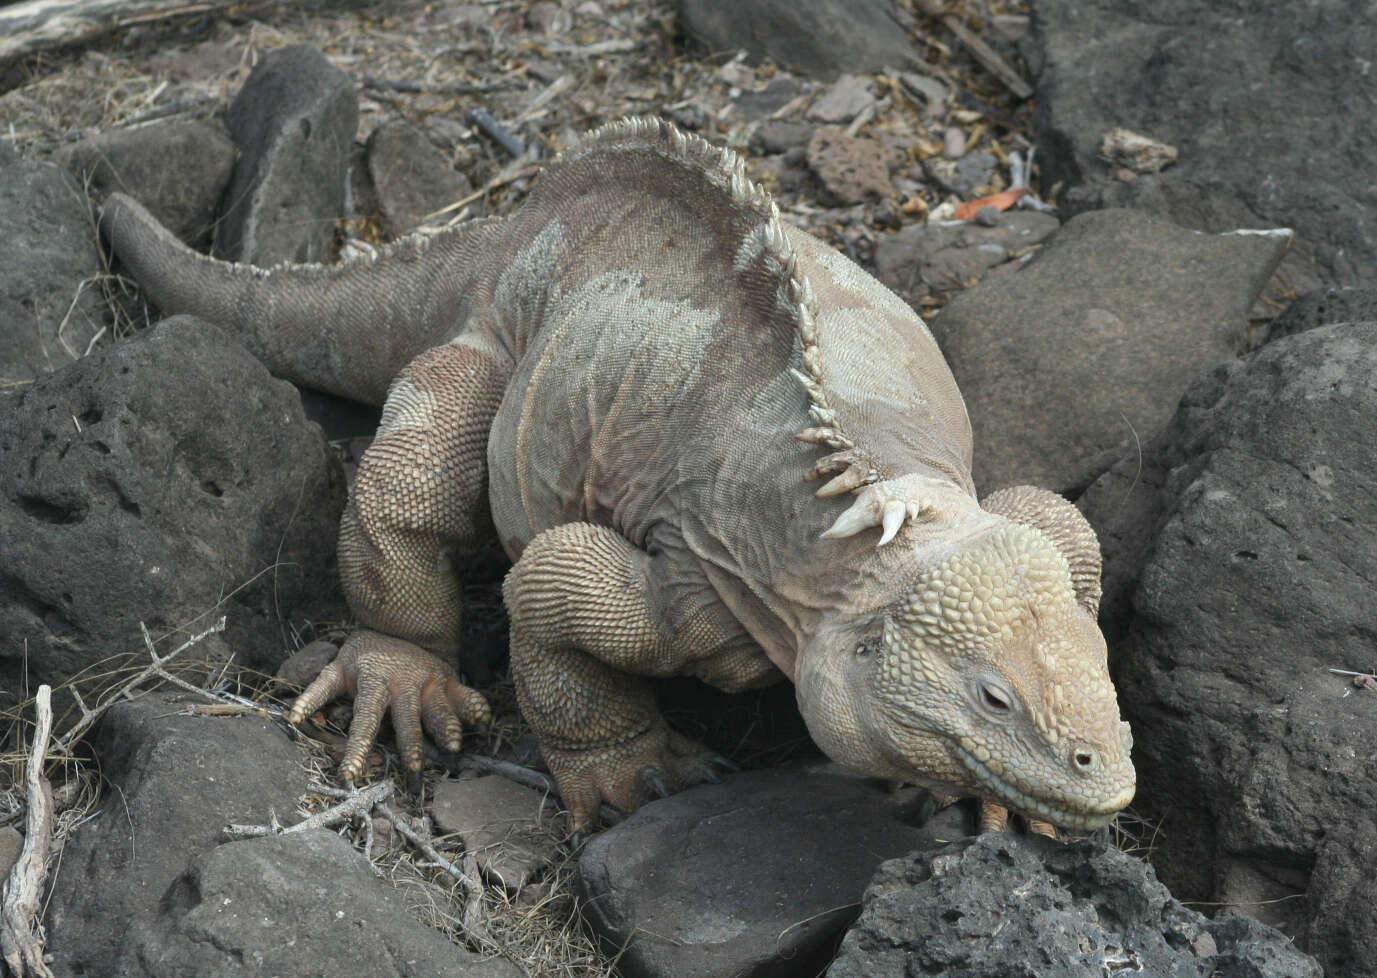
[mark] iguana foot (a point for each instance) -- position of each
(383, 673)
(994, 817)
(652, 765)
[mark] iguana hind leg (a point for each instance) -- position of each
(420, 495)
(587, 626)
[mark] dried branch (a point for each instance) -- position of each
(22, 950)
(356, 804)
(158, 669)
(471, 919)
(40, 25)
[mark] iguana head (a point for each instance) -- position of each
(987, 678)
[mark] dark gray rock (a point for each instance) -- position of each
(820, 38)
(50, 297)
(178, 169)
(780, 136)
(1326, 307)
(300, 668)
(1257, 97)
(294, 123)
(166, 479)
(1087, 348)
(940, 259)
(306, 905)
(845, 99)
(963, 176)
(176, 781)
(1003, 906)
(755, 877)
(778, 92)
(1240, 561)
(412, 176)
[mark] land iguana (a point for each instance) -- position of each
(639, 380)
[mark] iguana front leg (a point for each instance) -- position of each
(419, 496)
(587, 624)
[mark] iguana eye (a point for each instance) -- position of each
(994, 698)
(867, 648)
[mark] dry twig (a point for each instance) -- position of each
(89, 715)
(22, 950)
(358, 803)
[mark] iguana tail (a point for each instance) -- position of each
(346, 329)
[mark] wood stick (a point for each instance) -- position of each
(987, 56)
(40, 25)
(22, 951)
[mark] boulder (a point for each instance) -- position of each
(820, 38)
(411, 175)
(293, 121)
(1001, 905)
(178, 169)
(51, 305)
(1256, 96)
(176, 781)
(1069, 363)
(758, 876)
(167, 479)
(306, 905)
(1326, 307)
(1240, 559)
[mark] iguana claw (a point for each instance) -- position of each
(388, 674)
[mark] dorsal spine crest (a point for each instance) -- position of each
(726, 170)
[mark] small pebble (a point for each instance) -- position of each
(953, 143)
(987, 217)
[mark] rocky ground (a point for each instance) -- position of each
(1130, 325)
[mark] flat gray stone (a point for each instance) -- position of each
(754, 877)
(845, 99)
(503, 823)
(176, 780)
(305, 905)
(1067, 364)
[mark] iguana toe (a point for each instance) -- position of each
(654, 764)
(994, 817)
(654, 783)
(387, 674)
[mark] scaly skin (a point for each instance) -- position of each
(634, 381)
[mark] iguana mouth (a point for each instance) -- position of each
(1020, 801)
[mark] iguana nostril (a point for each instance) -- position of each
(1085, 759)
